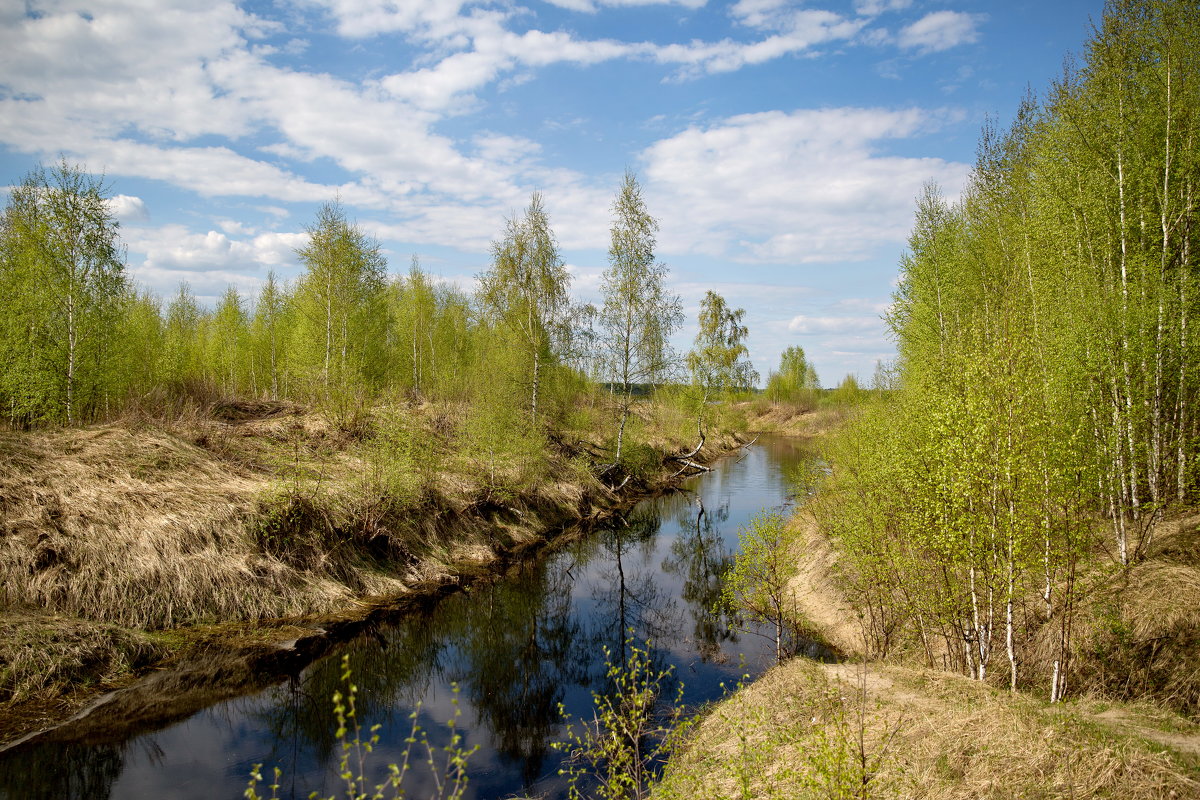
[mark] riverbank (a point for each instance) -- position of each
(135, 546)
(897, 728)
(807, 730)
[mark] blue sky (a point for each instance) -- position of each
(780, 144)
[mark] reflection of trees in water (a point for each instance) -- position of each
(698, 557)
(519, 647)
(630, 601)
(512, 646)
(516, 648)
(57, 771)
(392, 667)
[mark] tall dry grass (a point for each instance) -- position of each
(1136, 634)
(244, 510)
(139, 528)
(44, 654)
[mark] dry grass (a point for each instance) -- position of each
(42, 654)
(138, 528)
(250, 519)
(1137, 631)
(792, 420)
(814, 592)
(796, 733)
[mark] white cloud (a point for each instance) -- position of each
(505, 149)
(128, 64)
(235, 228)
(863, 304)
(495, 51)
(803, 187)
(362, 18)
(592, 6)
(128, 209)
(208, 261)
(185, 93)
(939, 31)
(794, 31)
(803, 324)
(873, 8)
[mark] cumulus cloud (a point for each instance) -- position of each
(863, 304)
(802, 187)
(940, 30)
(592, 6)
(187, 94)
(129, 63)
(873, 8)
(128, 209)
(495, 52)
(361, 18)
(209, 261)
(803, 324)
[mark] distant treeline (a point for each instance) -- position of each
(1048, 365)
(78, 341)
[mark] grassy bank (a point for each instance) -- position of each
(898, 729)
(807, 730)
(139, 542)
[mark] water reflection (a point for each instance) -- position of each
(518, 648)
(700, 559)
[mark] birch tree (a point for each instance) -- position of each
(341, 316)
(525, 291)
(269, 335)
(63, 271)
(719, 360)
(639, 314)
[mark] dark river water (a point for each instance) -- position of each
(516, 648)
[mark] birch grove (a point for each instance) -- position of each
(1047, 364)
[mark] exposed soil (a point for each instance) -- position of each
(814, 595)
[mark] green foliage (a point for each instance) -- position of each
(447, 765)
(756, 584)
(638, 315)
(62, 286)
(184, 339)
(1047, 370)
(269, 334)
(339, 335)
(796, 380)
(228, 344)
(498, 434)
(619, 754)
(525, 293)
(811, 741)
(641, 461)
(403, 460)
(719, 361)
(847, 393)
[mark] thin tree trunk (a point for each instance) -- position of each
(537, 365)
(71, 347)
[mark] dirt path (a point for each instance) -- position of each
(1124, 722)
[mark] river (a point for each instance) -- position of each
(517, 649)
